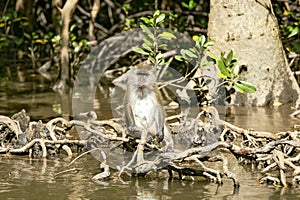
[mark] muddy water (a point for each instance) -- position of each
(22, 178)
(35, 179)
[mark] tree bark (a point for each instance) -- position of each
(55, 4)
(250, 29)
(94, 13)
(24, 7)
(63, 82)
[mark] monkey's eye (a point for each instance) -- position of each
(143, 73)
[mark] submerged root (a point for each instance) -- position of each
(276, 155)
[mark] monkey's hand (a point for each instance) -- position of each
(161, 136)
(149, 138)
(134, 131)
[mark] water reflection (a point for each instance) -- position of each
(273, 119)
(22, 178)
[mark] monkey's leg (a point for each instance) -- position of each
(140, 147)
(138, 155)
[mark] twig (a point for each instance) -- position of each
(66, 171)
(75, 159)
(295, 114)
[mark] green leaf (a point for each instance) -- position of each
(179, 58)
(18, 41)
(156, 13)
(73, 37)
(74, 44)
(197, 45)
(288, 13)
(126, 6)
(221, 66)
(167, 35)
(243, 86)
(34, 35)
(152, 21)
(296, 46)
(222, 76)
(140, 50)
(184, 5)
(202, 40)
(77, 49)
(162, 45)
(222, 54)
(209, 43)
(72, 27)
(147, 42)
(183, 54)
(41, 41)
(294, 31)
(236, 70)
(147, 47)
(147, 31)
(160, 18)
(211, 55)
(17, 19)
(161, 62)
(145, 20)
(237, 88)
(28, 36)
(229, 57)
(57, 108)
(83, 42)
(56, 39)
(151, 59)
(189, 53)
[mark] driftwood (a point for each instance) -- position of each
(276, 155)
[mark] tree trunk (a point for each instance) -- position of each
(63, 82)
(250, 29)
(24, 7)
(55, 4)
(94, 13)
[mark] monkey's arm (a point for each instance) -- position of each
(133, 130)
(160, 123)
(129, 118)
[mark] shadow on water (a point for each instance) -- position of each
(22, 178)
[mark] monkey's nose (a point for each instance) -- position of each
(142, 79)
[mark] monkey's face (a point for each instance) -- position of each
(143, 75)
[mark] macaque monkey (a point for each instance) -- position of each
(143, 108)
